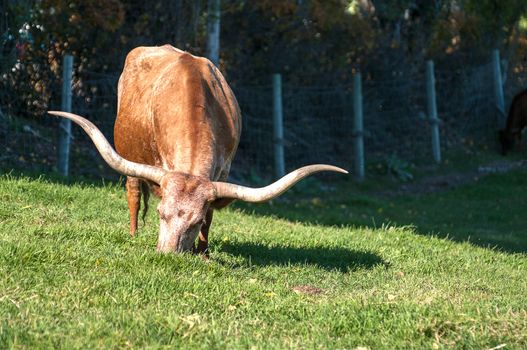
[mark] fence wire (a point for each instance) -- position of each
(318, 121)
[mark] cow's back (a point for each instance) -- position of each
(176, 111)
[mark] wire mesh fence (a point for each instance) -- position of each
(318, 121)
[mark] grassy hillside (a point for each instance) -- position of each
(341, 271)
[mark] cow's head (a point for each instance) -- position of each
(506, 140)
(182, 210)
(186, 198)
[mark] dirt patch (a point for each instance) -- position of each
(309, 290)
(447, 181)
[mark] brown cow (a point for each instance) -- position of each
(516, 122)
(177, 129)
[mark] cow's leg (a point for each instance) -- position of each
(145, 191)
(133, 191)
(203, 238)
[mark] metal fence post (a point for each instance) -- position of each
(498, 88)
(65, 124)
(358, 127)
(278, 126)
(432, 110)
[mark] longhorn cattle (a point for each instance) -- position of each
(177, 129)
(516, 122)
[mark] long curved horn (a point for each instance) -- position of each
(111, 157)
(256, 195)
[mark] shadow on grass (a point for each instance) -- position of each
(463, 215)
(340, 259)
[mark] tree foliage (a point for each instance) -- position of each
(309, 41)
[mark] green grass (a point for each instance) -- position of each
(385, 278)
(489, 212)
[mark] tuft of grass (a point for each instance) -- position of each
(297, 273)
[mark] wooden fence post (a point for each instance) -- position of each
(432, 111)
(278, 126)
(213, 31)
(498, 88)
(65, 124)
(358, 127)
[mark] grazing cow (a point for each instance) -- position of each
(516, 122)
(177, 129)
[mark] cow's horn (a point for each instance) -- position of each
(111, 157)
(255, 195)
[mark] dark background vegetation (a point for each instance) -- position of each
(317, 46)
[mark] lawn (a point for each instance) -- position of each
(344, 269)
